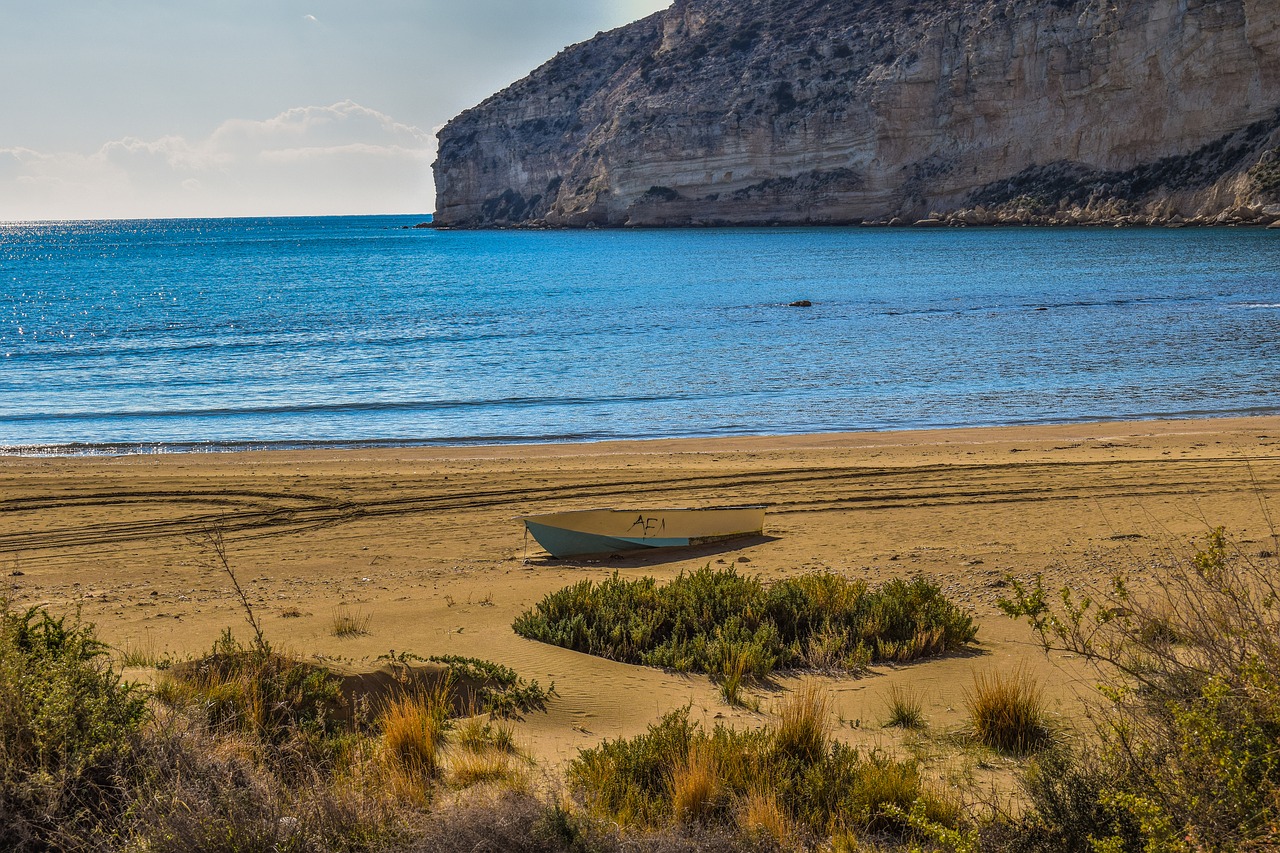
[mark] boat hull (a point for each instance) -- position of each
(601, 531)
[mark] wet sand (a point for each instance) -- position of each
(424, 542)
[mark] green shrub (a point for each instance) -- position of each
(257, 691)
(1068, 807)
(720, 621)
(1190, 672)
(68, 729)
(500, 690)
(679, 772)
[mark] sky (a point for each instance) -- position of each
(178, 108)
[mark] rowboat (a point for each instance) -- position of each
(600, 531)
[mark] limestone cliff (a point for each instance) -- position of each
(839, 111)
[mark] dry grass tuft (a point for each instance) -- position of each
(733, 671)
(695, 784)
(413, 731)
(486, 765)
(1007, 712)
(804, 722)
(904, 708)
(759, 813)
(479, 731)
(140, 653)
(349, 623)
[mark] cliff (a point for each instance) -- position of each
(842, 111)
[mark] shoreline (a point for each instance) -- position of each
(424, 541)
(120, 449)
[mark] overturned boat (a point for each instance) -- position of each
(601, 531)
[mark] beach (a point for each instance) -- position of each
(426, 544)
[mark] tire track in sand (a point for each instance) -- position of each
(39, 522)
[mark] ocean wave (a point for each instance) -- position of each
(359, 407)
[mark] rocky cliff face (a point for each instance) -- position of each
(841, 111)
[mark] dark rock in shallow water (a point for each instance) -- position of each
(800, 303)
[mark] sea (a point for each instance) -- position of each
(157, 336)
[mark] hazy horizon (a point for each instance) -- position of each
(147, 110)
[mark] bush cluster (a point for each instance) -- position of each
(69, 728)
(1186, 756)
(245, 754)
(790, 780)
(500, 689)
(256, 690)
(240, 750)
(717, 620)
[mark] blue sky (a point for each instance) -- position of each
(143, 108)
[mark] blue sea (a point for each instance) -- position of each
(224, 334)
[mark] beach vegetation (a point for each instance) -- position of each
(1188, 717)
(413, 726)
(733, 672)
(251, 748)
(142, 654)
(255, 690)
(349, 622)
(903, 708)
(69, 729)
(473, 766)
(481, 731)
(491, 688)
(718, 621)
(783, 781)
(1007, 711)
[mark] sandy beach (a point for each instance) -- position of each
(424, 542)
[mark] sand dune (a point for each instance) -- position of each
(424, 542)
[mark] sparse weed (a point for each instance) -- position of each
(734, 668)
(142, 653)
(477, 732)
(903, 708)
(488, 765)
(348, 622)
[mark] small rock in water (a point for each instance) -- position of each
(800, 303)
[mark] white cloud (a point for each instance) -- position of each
(343, 158)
